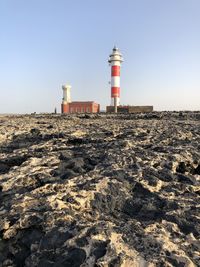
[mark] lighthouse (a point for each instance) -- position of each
(66, 98)
(115, 60)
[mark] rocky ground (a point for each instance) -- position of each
(97, 190)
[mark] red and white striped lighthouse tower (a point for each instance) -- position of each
(115, 60)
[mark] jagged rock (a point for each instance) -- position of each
(54, 239)
(100, 190)
(4, 168)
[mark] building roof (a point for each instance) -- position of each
(82, 102)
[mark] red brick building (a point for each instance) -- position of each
(80, 107)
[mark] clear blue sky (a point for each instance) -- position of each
(47, 43)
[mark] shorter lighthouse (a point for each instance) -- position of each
(115, 60)
(66, 98)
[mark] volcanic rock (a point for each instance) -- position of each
(105, 190)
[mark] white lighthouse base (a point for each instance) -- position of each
(113, 102)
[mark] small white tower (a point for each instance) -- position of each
(66, 93)
(66, 98)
